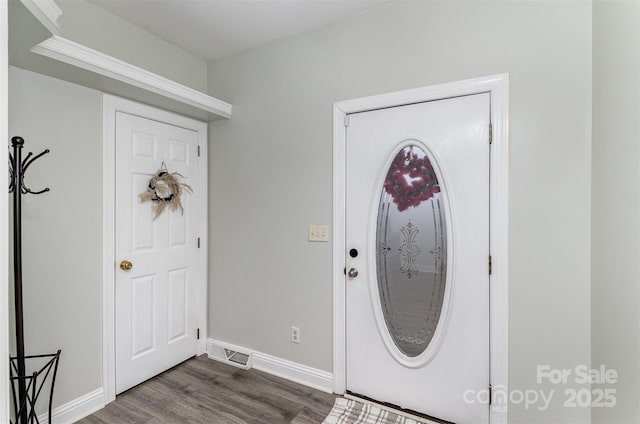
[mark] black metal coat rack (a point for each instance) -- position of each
(30, 386)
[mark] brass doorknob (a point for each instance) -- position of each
(353, 273)
(126, 265)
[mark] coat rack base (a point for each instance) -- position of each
(41, 380)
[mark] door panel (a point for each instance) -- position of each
(143, 315)
(178, 307)
(156, 299)
(418, 214)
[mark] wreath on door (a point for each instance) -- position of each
(165, 190)
(411, 179)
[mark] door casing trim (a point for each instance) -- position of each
(111, 105)
(498, 87)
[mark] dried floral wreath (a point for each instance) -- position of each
(165, 189)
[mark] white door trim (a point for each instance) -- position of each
(4, 218)
(111, 105)
(498, 87)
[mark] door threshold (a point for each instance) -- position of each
(408, 413)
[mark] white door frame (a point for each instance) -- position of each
(4, 217)
(111, 105)
(498, 87)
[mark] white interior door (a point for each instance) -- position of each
(417, 243)
(156, 300)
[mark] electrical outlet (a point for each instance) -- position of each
(295, 334)
(318, 233)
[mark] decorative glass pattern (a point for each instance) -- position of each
(411, 250)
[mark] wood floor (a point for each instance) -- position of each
(204, 391)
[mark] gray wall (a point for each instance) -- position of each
(616, 203)
(96, 28)
(270, 172)
(62, 229)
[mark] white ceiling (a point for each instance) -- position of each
(215, 28)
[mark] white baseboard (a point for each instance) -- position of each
(312, 377)
(292, 371)
(75, 410)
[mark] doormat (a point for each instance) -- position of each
(347, 411)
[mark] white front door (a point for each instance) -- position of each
(417, 243)
(156, 300)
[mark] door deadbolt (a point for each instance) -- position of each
(353, 273)
(126, 265)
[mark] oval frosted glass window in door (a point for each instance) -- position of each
(411, 250)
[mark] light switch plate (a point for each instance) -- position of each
(318, 233)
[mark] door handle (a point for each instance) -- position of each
(126, 265)
(353, 273)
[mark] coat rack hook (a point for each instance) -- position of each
(17, 170)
